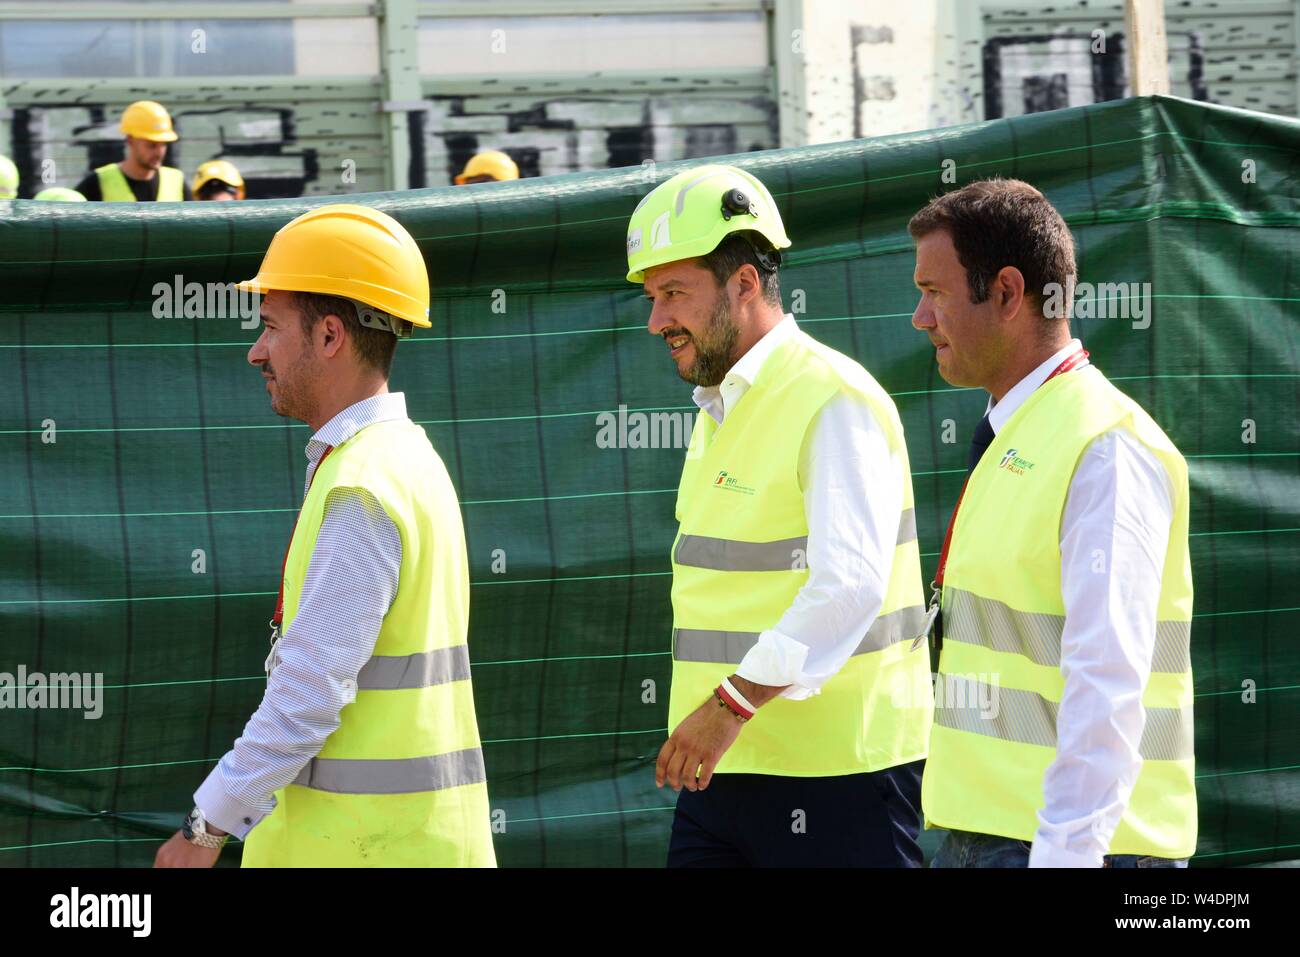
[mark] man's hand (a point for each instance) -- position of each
(699, 742)
(178, 852)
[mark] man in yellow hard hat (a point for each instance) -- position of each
(218, 180)
(365, 749)
(800, 705)
(490, 166)
(140, 176)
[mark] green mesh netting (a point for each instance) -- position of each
(164, 444)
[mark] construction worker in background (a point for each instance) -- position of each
(799, 711)
(490, 166)
(141, 176)
(8, 178)
(59, 194)
(1063, 729)
(365, 749)
(218, 180)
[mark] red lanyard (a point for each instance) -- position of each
(279, 601)
(1070, 363)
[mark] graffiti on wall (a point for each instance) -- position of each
(1030, 74)
(1075, 53)
(567, 133)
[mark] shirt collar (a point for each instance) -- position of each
(377, 408)
(1000, 412)
(748, 366)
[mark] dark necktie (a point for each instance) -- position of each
(982, 440)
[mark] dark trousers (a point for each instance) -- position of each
(765, 820)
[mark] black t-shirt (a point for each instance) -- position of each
(145, 190)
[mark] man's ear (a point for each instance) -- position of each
(1008, 291)
(749, 286)
(333, 334)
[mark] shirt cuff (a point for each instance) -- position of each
(777, 660)
(226, 812)
(1044, 854)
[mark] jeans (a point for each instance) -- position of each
(967, 849)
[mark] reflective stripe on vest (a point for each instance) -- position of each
(726, 555)
(965, 704)
(987, 621)
(114, 188)
(740, 560)
(729, 647)
(401, 776)
(1000, 683)
(421, 670)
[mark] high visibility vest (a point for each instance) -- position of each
(740, 558)
(999, 685)
(115, 189)
(401, 782)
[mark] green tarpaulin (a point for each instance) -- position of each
(148, 491)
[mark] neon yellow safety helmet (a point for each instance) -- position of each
(343, 249)
(148, 121)
(8, 178)
(688, 215)
(221, 170)
(492, 163)
(60, 194)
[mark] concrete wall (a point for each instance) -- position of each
(878, 66)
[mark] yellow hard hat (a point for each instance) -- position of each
(343, 249)
(492, 163)
(222, 171)
(8, 178)
(689, 215)
(59, 194)
(149, 121)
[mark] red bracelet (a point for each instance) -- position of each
(734, 706)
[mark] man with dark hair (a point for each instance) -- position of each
(141, 176)
(1063, 723)
(798, 714)
(365, 749)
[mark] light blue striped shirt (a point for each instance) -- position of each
(350, 584)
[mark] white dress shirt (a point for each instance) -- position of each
(851, 534)
(350, 583)
(1114, 535)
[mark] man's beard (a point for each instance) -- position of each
(294, 399)
(714, 347)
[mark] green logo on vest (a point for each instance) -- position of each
(1014, 463)
(729, 483)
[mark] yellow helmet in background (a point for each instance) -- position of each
(59, 194)
(344, 249)
(8, 178)
(223, 171)
(492, 163)
(149, 121)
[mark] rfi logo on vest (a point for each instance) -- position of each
(729, 483)
(1014, 463)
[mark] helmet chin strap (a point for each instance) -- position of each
(374, 318)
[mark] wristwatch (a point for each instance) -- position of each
(195, 829)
